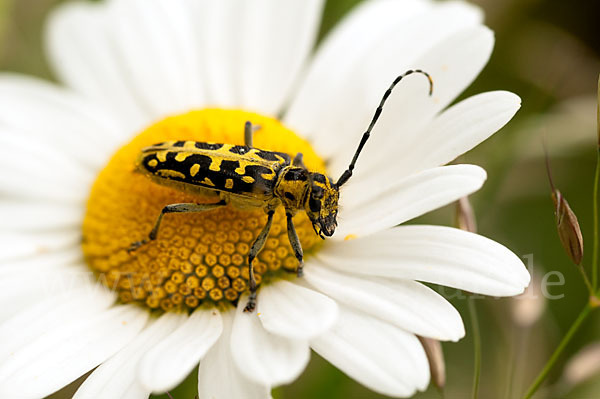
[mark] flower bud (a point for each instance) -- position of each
(465, 217)
(568, 227)
(435, 356)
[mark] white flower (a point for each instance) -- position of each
(127, 64)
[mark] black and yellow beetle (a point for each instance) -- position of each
(247, 177)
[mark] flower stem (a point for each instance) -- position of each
(476, 347)
(595, 198)
(586, 280)
(558, 351)
(595, 208)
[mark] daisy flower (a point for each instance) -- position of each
(138, 72)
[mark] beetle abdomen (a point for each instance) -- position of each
(238, 170)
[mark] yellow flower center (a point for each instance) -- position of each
(197, 258)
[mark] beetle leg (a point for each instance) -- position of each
(295, 242)
(256, 247)
(248, 134)
(298, 161)
(173, 208)
(249, 130)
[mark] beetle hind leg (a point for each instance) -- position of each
(254, 250)
(173, 208)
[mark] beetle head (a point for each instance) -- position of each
(322, 204)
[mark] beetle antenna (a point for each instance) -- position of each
(348, 172)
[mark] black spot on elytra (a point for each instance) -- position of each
(146, 161)
(239, 149)
(208, 146)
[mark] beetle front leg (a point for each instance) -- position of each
(258, 244)
(173, 208)
(295, 242)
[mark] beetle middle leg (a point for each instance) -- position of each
(249, 130)
(173, 208)
(258, 244)
(295, 242)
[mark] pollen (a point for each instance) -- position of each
(197, 259)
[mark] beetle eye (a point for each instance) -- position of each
(314, 205)
(317, 192)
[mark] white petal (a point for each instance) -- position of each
(435, 254)
(335, 61)
(256, 50)
(67, 351)
(83, 52)
(263, 357)
(368, 210)
(35, 170)
(341, 114)
(406, 304)
(218, 366)
(45, 262)
(378, 355)
(170, 361)
(21, 288)
(450, 134)
(43, 282)
(293, 311)
(66, 306)
(59, 119)
(36, 216)
(453, 63)
(220, 22)
(277, 38)
(21, 245)
(117, 377)
(22, 185)
(155, 43)
(463, 127)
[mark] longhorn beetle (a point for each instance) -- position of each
(247, 177)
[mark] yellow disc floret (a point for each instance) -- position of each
(198, 258)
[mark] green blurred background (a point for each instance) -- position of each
(547, 51)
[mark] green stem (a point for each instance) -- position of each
(476, 347)
(558, 351)
(595, 208)
(512, 355)
(586, 280)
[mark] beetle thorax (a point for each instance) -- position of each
(292, 187)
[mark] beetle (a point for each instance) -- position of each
(248, 177)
